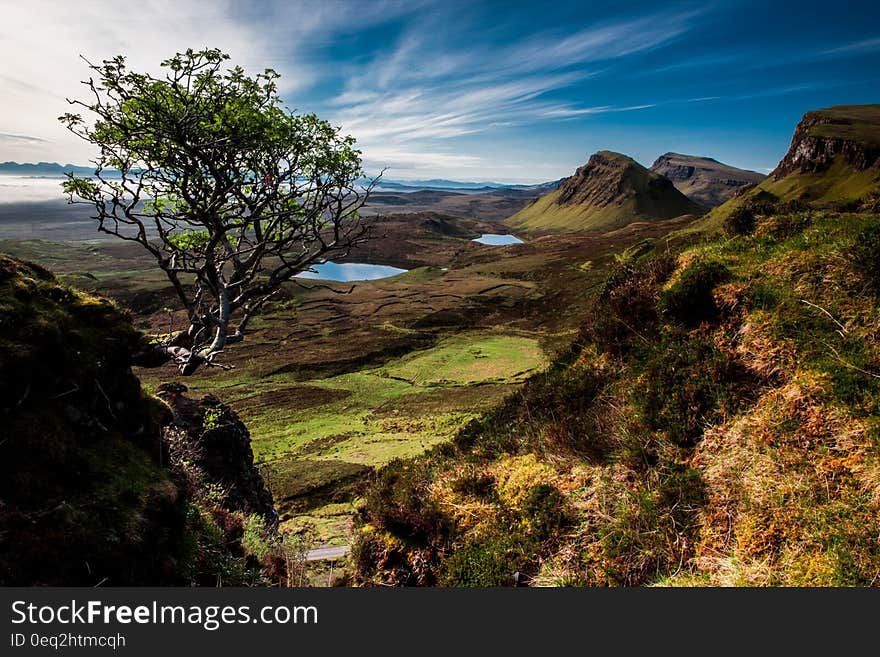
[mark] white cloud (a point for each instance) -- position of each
(406, 106)
(399, 160)
(41, 43)
(15, 139)
(562, 111)
(855, 48)
(432, 86)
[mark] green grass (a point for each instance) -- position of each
(464, 360)
(347, 425)
(852, 122)
(277, 431)
(331, 523)
(837, 182)
(309, 434)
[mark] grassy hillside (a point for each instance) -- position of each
(715, 423)
(857, 123)
(609, 192)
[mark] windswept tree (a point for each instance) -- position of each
(229, 191)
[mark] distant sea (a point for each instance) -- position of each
(29, 189)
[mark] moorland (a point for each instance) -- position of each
(651, 388)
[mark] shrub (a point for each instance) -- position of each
(562, 395)
(871, 203)
(844, 205)
(688, 300)
(567, 391)
(784, 226)
(651, 529)
(685, 382)
(792, 206)
(740, 222)
(545, 510)
(626, 309)
(255, 536)
(865, 256)
(763, 203)
(474, 483)
(397, 500)
(489, 561)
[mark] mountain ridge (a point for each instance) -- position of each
(610, 191)
(704, 179)
(43, 168)
(851, 132)
(440, 184)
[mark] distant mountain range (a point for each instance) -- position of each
(52, 169)
(441, 184)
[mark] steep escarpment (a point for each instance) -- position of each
(702, 179)
(714, 423)
(849, 133)
(92, 491)
(608, 192)
(833, 162)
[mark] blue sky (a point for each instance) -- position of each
(509, 91)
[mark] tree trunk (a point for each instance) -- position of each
(223, 326)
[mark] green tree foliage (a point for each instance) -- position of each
(231, 192)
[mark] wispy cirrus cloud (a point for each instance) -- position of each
(856, 48)
(435, 88)
(28, 139)
(432, 87)
(568, 112)
(42, 41)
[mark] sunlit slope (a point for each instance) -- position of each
(833, 160)
(609, 192)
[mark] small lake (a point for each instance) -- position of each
(493, 239)
(350, 271)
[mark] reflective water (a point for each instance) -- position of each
(26, 189)
(494, 239)
(350, 271)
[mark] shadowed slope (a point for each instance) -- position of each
(703, 179)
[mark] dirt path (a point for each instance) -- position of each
(327, 553)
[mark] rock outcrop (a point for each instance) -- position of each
(851, 133)
(93, 482)
(209, 439)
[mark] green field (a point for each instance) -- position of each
(464, 360)
(333, 386)
(312, 435)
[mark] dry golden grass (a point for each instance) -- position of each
(782, 484)
(772, 475)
